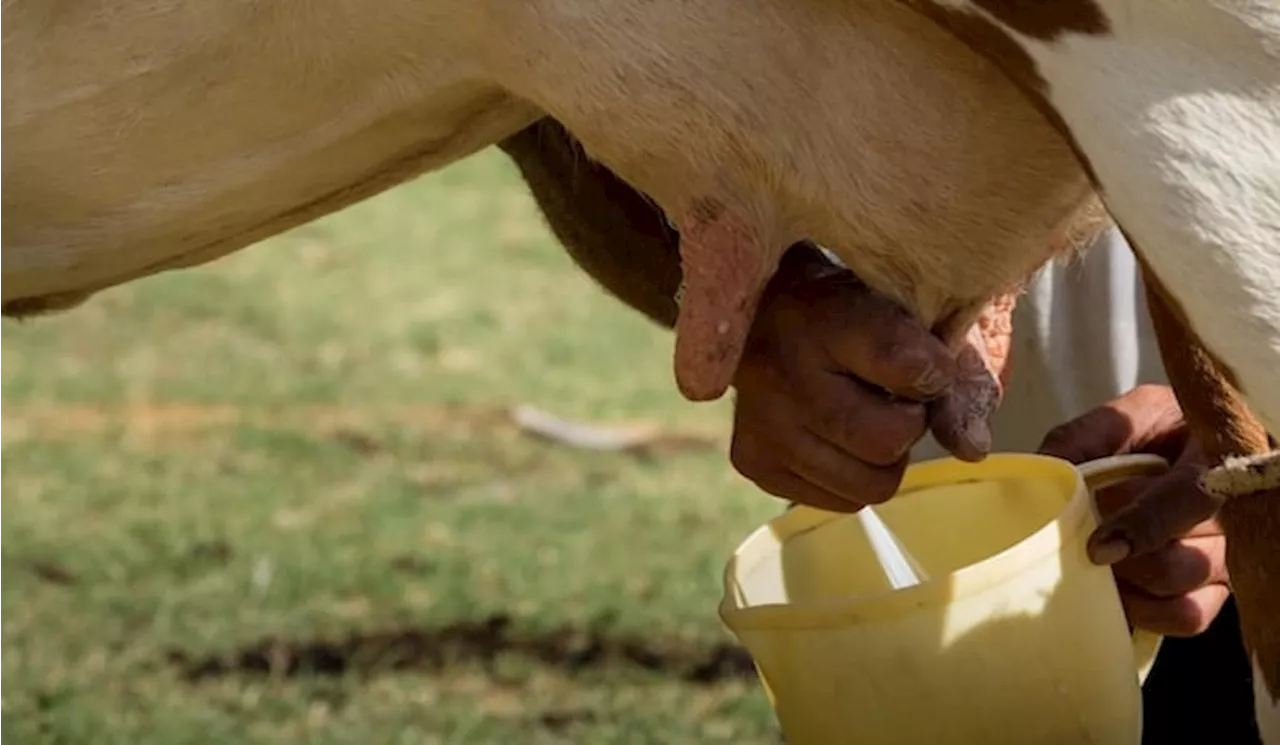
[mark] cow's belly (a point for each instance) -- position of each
(131, 150)
(55, 245)
(959, 190)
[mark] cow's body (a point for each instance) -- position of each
(143, 135)
(140, 136)
(1175, 108)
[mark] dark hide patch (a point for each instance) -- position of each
(26, 307)
(994, 43)
(1047, 19)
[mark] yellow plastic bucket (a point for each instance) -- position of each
(1015, 637)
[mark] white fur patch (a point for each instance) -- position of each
(1178, 111)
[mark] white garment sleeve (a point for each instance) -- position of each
(1081, 336)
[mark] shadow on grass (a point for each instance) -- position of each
(570, 650)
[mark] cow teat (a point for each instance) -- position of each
(727, 260)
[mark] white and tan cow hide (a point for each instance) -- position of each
(141, 135)
(1174, 106)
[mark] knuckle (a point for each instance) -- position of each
(1152, 393)
(1157, 399)
(1145, 391)
(762, 465)
(875, 436)
(880, 485)
(775, 484)
(781, 490)
(874, 450)
(904, 427)
(1165, 574)
(896, 357)
(1189, 619)
(884, 337)
(1147, 532)
(1061, 437)
(749, 458)
(1145, 529)
(1161, 586)
(1189, 506)
(1177, 617)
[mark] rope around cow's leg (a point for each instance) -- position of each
(1243, 475)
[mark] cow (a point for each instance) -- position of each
(943, 149)
(1174, 110)
(144, 136)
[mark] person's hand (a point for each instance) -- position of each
(1167, 550)
(837, 383)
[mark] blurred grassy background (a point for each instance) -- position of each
(279, 499)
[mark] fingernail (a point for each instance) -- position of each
(978, 434)
(1110, 551)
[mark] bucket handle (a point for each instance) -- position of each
(1099, 474)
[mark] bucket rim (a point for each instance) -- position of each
(967, 581)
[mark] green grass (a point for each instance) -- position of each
(278, 499)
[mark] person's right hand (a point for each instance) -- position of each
(838, 382)
(1159, 534)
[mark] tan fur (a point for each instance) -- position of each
(140, 137)
(141, 140)
(849, 123)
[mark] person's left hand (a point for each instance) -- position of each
(838, 382)
(1160, 535)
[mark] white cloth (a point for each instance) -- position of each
(1081, 336)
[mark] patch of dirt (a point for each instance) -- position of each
(51, 571)
(410, 564)
(561, 720)
(569, 650)
(213, 552)
(359, 442)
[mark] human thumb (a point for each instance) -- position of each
(1170, 507)
(960, 418)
